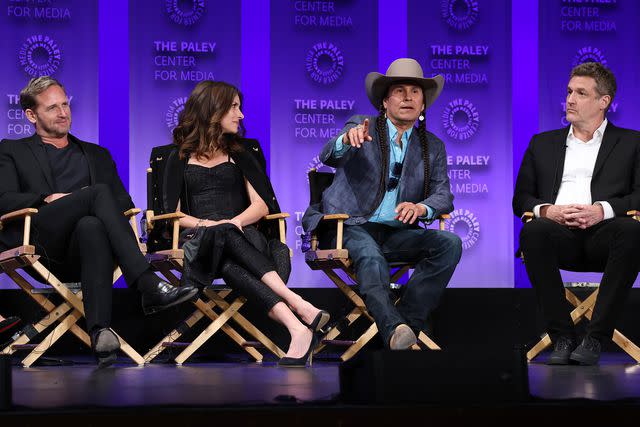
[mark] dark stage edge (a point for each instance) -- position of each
(255, 394)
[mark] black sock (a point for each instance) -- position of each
(147, 282)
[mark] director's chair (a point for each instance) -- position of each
(583, 309)
(65, 315)
(334, 260)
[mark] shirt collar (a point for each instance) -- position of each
(597, 135)
(393, 132)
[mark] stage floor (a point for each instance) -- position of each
(239, 384)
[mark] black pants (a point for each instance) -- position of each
(246, 258)
(610, 246)
(82, 237)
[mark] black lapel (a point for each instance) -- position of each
(37, 148)
(559, 154)
(89, 157)
(609, 141)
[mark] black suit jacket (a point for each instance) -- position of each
(25, 177)
(616, 175)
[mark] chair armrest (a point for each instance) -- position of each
(331, 217)
(19, 214)
(281, 224)
(25, 214)
(281, 215)
(172, 215)
(175, 218)
(527, 216)
(132, 212)
(339, 218)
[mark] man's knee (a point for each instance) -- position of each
(451, 244)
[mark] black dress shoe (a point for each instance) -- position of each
(321, 319)
(105, 344)
(164, 295)
(301, 362)
(562, 349)
(588, 352)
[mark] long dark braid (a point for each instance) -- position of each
(383, 136)
(424, 143)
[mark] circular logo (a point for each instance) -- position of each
(316, 164)
(325, 63)
(459, 14)
(40, 56)
(465, 224)
(185, 12)
(173, 113)
(589, 54)
(460, 119)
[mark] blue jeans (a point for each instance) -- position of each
(435, 254)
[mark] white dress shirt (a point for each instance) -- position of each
(579, 162)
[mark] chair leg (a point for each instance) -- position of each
(249, 327)
(209, 331)
(51, 338)
(172, 336)
(428, 342)
(360, 342)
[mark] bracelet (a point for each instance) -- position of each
(200, 221)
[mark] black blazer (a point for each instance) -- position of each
(616, 175)
(249, 159)
(25, 176)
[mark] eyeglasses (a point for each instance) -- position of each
(396, 171)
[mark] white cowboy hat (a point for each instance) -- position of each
(401, 70)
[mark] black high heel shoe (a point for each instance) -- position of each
(319, 322)
(301, 362)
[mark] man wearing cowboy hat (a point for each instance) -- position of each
(384, 183)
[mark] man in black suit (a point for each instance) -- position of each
(579, 182)
(80, 230)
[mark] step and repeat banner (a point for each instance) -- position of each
(173, 46)
(573, 32)
(320, 55)
(41, 38)
(469, 43)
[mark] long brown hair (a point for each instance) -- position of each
(199, 131)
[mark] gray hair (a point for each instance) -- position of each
(34, 88)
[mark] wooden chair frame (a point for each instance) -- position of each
(65, 315)
(169, 261)
(330, 261)
(584, 309)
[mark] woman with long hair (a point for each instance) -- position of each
(224, 188)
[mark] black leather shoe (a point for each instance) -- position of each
(105, 345)
(588, 352)
(301, 362)
(562, 349)
(165, 295)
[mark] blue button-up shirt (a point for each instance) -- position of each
(386, 211)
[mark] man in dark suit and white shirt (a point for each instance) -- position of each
(80, 231)
(579, 182)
